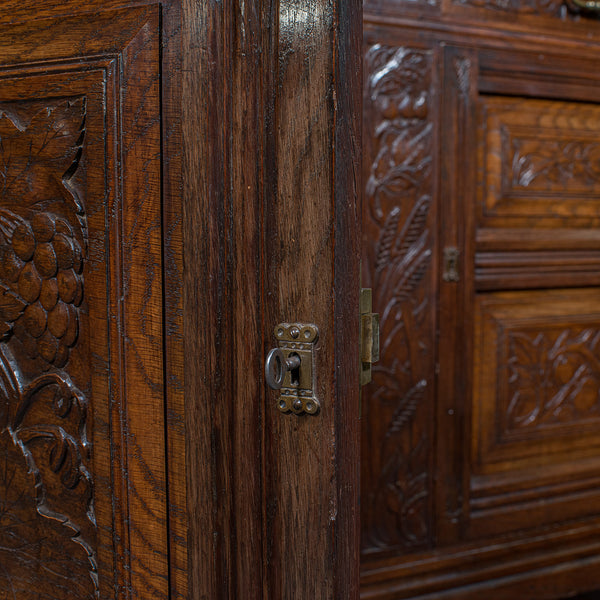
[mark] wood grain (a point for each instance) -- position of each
(190, 129)
(207, 382)
(514, 396)
(96, 227)
(311, 276)
(277, 230)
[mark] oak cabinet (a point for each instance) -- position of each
(177, 178)
(481, 433)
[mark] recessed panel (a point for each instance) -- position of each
(537, 385)
(539, 163)
(80, 325)
(536, 407)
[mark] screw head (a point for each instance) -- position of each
(294, 332)
(297, 404)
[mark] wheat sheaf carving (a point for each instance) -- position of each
(399, 193)
(43, 237)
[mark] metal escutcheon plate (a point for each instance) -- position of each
(290, 368)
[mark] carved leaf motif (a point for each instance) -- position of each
(46, 420)
(42, 413)
(11, 308)
(398, 200)
(553, 379)
(403, 132)
(414, 228)
(40, 147)
(566, 164)
(47, 568)
(387, 239)
(406, 409)
(412, 275)
(404, 495)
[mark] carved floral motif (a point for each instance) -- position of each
(555, 165)
(43, 233)
(554, 378)
(398, 257)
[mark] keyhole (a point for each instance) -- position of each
(295, 372)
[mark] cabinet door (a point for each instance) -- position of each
(82, 490)
(480, 447)
(519, 384)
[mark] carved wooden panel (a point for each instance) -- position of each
(536, 400)
(397, 264)
(538, 365)
(81, 402)
(43, 237)
(553, 377)
(514, 502)
(539, 159)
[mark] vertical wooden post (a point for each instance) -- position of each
(271, 218)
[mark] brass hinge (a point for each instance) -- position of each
(369, 335)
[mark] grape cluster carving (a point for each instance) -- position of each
(41, 269)
(43, 245)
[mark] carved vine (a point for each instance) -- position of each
(553, 379)
(565, 163)
(398, 196)
(41, 292)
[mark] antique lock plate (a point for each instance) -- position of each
(291, 368)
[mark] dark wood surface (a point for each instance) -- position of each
(280, 112)
(139, 262)
(177, 178)
(266, 231)
(480, 447)
(311, 254)
(83, 420)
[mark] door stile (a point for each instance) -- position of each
(271, 188)
(456, 191)
(311, 269)
(348, 196)
(207, 383)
